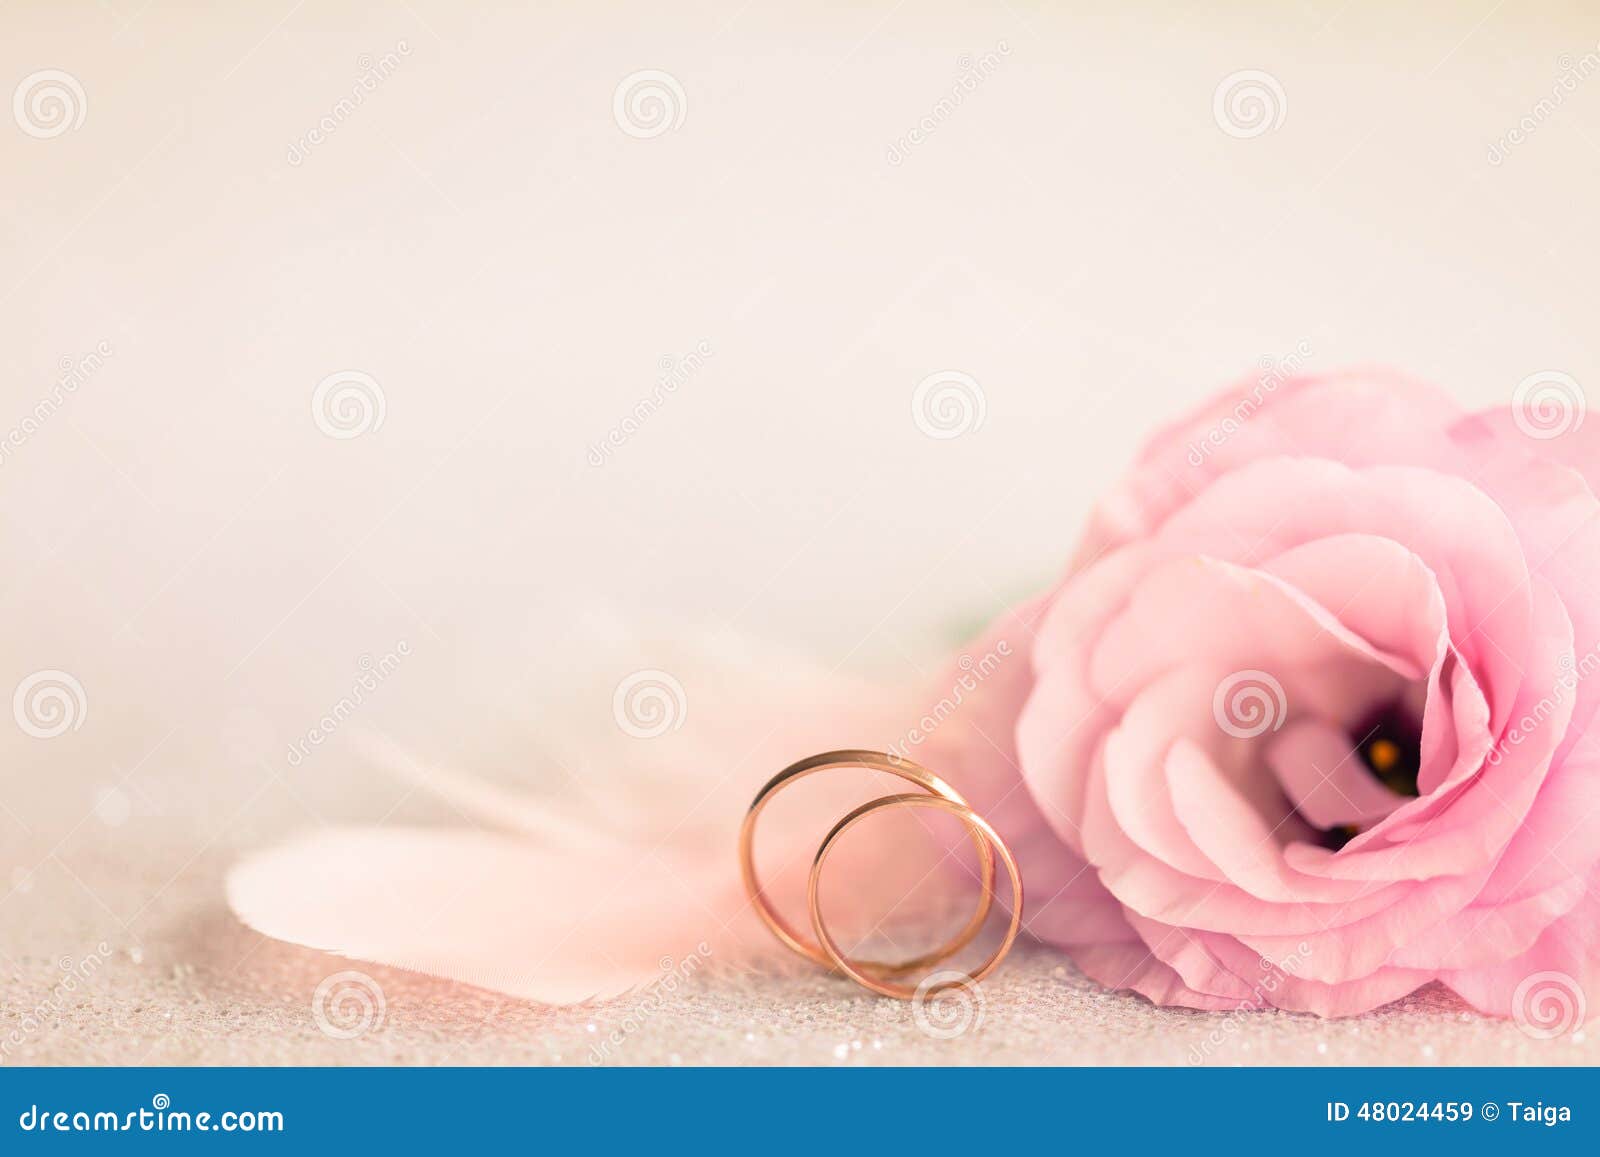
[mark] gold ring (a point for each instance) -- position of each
(911, 773)
(859, 972)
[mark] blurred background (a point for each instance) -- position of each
(416, 345)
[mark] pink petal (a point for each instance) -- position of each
(1325, 779)
(1133, 966)
(1576, 447)
(1151, 888)
(1377, 589)
(1236, 837)
(1189, 609)
(1560, 832)
(1476, 823)
(1485, 934)
(1364, 418)
(1063, 718)
(1557, 515)
(1283, 985)
(1466, 541)
(1554, 986)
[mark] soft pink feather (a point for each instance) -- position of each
(565, 902)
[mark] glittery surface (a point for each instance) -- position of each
(184, 983)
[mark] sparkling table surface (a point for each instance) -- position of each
(184, 983)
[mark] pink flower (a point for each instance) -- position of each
(1307, 725)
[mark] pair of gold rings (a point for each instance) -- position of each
(879, 976)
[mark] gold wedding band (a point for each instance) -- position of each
(979, 826)
(941, 796)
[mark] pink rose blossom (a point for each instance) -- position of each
(1307, 725)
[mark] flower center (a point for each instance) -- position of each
(1394, 756)
(1392, 751)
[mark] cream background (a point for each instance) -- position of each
(482, 239)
